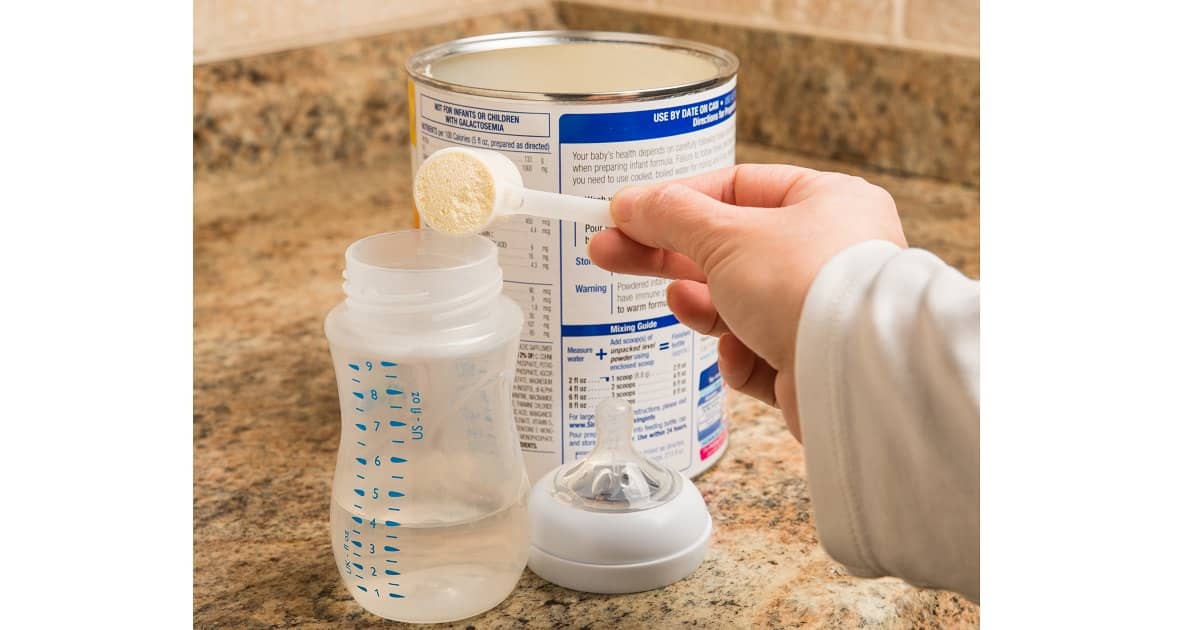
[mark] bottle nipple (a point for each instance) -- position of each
(615, 477)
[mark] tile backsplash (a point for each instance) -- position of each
(225, 29)
(901, 105)
(942, 26)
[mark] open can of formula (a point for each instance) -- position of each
(587, 113)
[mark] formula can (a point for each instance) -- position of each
(587, 113)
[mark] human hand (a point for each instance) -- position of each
(743, 245)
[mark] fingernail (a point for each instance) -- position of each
(622, 206)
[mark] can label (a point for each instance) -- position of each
(590, 334)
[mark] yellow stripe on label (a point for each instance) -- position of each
(413, 140)
(412, 116)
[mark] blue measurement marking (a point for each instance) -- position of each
(353, 367)
(396, 595)
(357, 519)
(393, 493)
(397, 423)
(358, 576)
(398, 441)
(357, 544)
(357, 565)
(357, 554)
(389, 376)
(391, 572)
(359, 491)
(361, 427)
(396, 406)
(387, 364)
(361, 460)
(393, 392)
(358, 395)
(390, 548)
(361, 587)
(361, 477)
(391, 536)
(356, 380)
(359, 409)
(357, 532)
(391, 524)
(398, 476)
(360, 443)
(393, 583)
(393, 509)
(390, 561)
(358, 506)
(398, 460)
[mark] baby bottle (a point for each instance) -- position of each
(428, 513)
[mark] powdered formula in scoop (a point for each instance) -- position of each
(455, 192)
(460, 190)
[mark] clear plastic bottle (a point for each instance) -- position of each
(428, 514)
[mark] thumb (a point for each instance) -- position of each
(673, 217)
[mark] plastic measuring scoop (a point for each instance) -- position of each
(460, 190)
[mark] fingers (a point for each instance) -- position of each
(614, 251)
(676, 218)
(786, 401)
(692, 304)
(753, 185)
(698, 215)
(745, 371)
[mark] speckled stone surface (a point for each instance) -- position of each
(268, 256)
(898, 110)
(343, 102)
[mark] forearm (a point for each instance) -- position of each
(888, 395)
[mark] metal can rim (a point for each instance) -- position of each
(418, 64)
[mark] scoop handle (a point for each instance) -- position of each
(565, 207)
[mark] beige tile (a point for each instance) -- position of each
(873, 17)
(946, 22)
(239, 24)
(234, 28)
(716, 10)
(365, 13)
(202, 27)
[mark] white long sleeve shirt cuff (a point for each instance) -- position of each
(887, 382)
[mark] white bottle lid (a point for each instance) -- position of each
(615, 521)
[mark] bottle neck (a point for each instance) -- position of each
(421, 280)
(445, 316)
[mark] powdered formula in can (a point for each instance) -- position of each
(588, 113)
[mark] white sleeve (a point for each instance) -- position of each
(888, 390)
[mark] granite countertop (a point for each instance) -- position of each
(268, 258)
